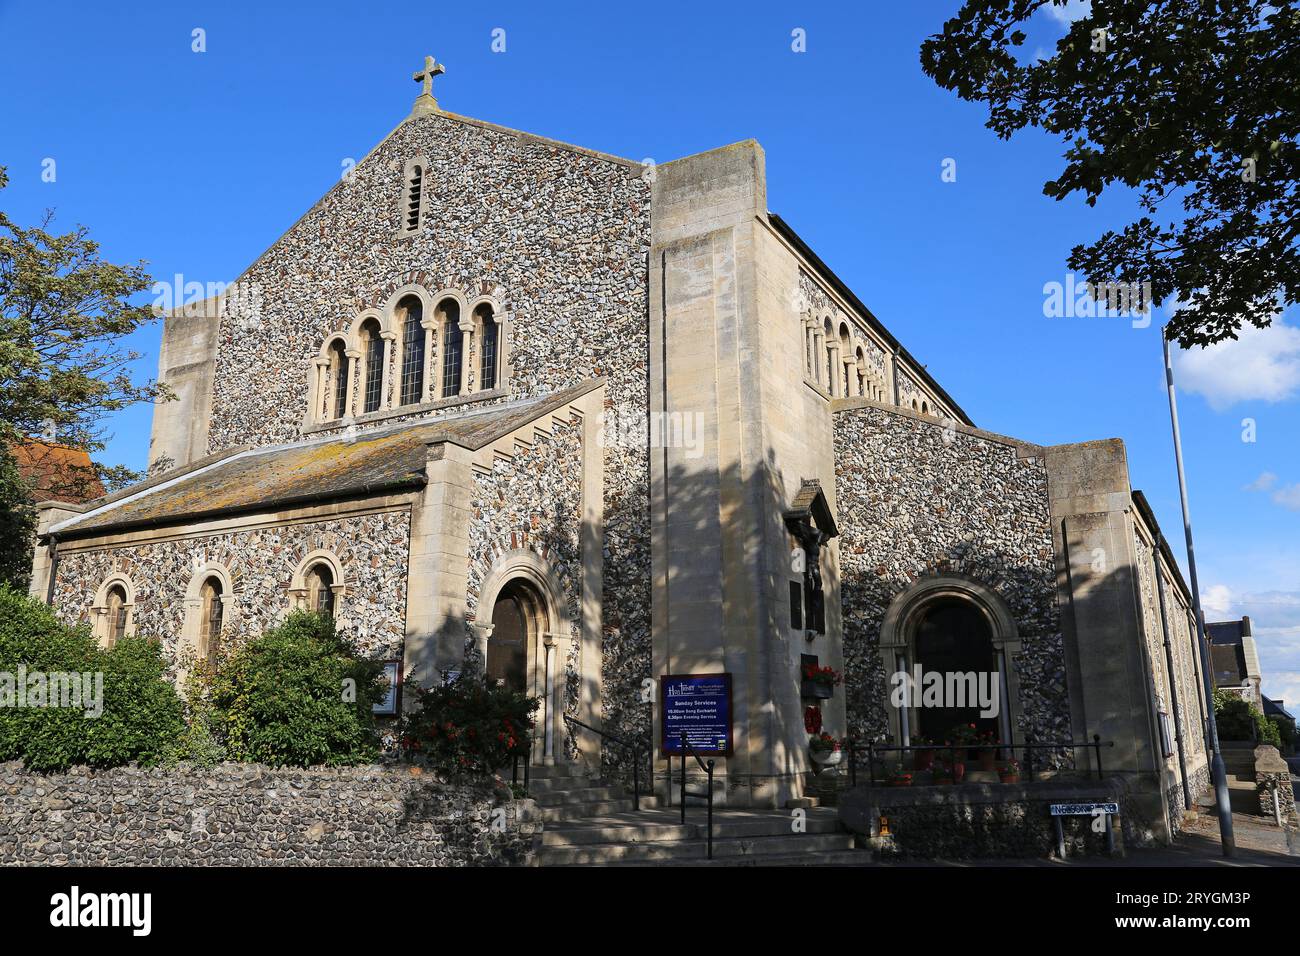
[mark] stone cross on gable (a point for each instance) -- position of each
(431, 69)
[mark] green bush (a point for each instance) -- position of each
(467, 726)
(1239, 719)
(136, 716)
(298, 695)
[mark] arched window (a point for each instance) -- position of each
(319, 581)
(953, 637)
(412, 350)
(337, 403)
(116, 615)
(925, 408)
(452, 343)
(860, 370)
(489, 332)
(414, 189)
(373, 350)
(210, 619)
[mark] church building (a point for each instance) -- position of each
(500, 402)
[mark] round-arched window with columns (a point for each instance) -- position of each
(113, 610)
(950, 624)
(318, 583)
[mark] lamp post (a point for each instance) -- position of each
(1224, 809)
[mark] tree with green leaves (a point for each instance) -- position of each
(1191, 104)
(64, 315)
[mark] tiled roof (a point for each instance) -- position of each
(375, 461)
(54, 472)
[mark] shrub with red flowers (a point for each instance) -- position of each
(822, 675)
(812, 720)
(467, 726)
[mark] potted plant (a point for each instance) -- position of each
(825, 750)
(820, 682)
(961, 737)
(1009, 772)
(921, 759)
(941, 772)
(900, 778)
(988, 752)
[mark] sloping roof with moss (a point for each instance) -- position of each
(373, 462)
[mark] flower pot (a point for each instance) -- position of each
(824, 759)
(922, 759)
(817, 690)
(958, 772)
(901, 782)
(1009, 777)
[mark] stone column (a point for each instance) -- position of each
(386, 380)
(430, 339)
(319, 391)
(354, 365)
(548, 700)
(466, 344)
(481, 634)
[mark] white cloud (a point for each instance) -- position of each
(1265, 481)
(1216, 599)
(1288, 497)
(1259, 365)
(1068, 12)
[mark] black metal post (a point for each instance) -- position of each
(1096, 747)
(683, 791)
(636, 780)
(871, 761)
(710, 775)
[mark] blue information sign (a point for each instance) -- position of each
(700, 705)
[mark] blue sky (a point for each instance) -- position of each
(197, 161)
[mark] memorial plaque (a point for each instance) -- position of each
(700, 705)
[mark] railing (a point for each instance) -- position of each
(708, 793)
(527, 758)
(636, 756)
(873, 748)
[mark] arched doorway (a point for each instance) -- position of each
(517, 619)
(953, 637)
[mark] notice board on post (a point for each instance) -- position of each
(700, 705)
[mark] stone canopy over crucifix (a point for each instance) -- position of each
(426, 101)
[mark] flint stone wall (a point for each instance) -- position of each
(534, 502)
(986, 821)
(247, 815)
(374, 550)
(559, 236)
(917, 496)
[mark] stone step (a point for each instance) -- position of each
(657, 826)
(735, 849)
(576, 811)
(539, 785)
(596, 794)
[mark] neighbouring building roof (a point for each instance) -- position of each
(1277, 708)
(57, 473)
(376, 461)
(1237, 636)
(1229, 665)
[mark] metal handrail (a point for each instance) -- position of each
(872, 749)
(636, 756)
(707, 795)
(527, 757)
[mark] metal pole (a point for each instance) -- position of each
(1169, 669)
(1226, 836)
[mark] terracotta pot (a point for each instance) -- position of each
(1009, 777)
(958, 772)
(922, 759)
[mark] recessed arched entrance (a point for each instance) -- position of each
(524, 637)
(518, 617)
(953, 637)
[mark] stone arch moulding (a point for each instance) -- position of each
(230, 586)
(551, 644)
(364, 316)
(298, 581)
(899, 626)
(401, 292)
(99, 622)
